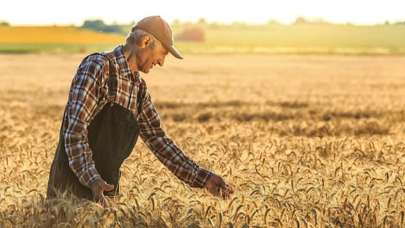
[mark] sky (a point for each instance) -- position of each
(49, 12)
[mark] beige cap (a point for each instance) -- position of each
(161, 30)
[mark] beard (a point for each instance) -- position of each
(142, 61)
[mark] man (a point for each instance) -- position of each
(108, 107)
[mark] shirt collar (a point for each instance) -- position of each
(122, 63)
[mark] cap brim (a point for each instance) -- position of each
(175, 52)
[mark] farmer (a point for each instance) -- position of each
(108, 107)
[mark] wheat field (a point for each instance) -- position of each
(306, 141)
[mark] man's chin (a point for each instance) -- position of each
(145, 70)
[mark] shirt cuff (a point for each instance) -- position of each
(88, 178)
(201, 178)
(92, 180)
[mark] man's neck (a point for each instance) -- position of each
(130, 56)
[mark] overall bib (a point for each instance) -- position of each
(112, 135)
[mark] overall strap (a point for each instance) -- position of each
(113, 83)
(141, 95)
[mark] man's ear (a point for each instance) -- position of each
(144, 41)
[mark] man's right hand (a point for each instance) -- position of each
(98, 188)
(217, 187)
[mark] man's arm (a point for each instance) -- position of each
(83, 97)
(165, 149)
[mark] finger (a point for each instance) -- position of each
(224, 195)
(103, 201)
(228, 191)
(220, 194)
(230, 188)
(106, 202)
(107, 187)
(98, 197)
(228, 196)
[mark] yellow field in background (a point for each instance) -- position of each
(54, 34)
(229, 39)
(307, 141)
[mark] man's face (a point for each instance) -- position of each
(151, 55)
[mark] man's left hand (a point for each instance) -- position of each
(217, 187)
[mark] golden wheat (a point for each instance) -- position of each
(307, 141)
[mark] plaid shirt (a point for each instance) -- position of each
(89, 93)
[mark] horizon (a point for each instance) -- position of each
(48, 12)
(271, 21)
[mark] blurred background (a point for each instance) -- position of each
(312, 26)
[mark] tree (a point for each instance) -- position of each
(202, 21)
(96, 25)
(300, 20)
(4, 23)
(100, 26)
(273, 22)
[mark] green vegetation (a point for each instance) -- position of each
(100, 26)
(4, 23)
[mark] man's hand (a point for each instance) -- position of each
(98, 188)
(217, 187)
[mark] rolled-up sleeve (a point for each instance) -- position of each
(83, 98)
(165, 149)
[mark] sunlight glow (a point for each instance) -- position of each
(48, 12)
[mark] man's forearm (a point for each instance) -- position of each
(177, 162)
(80, 159)
(201, 178)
